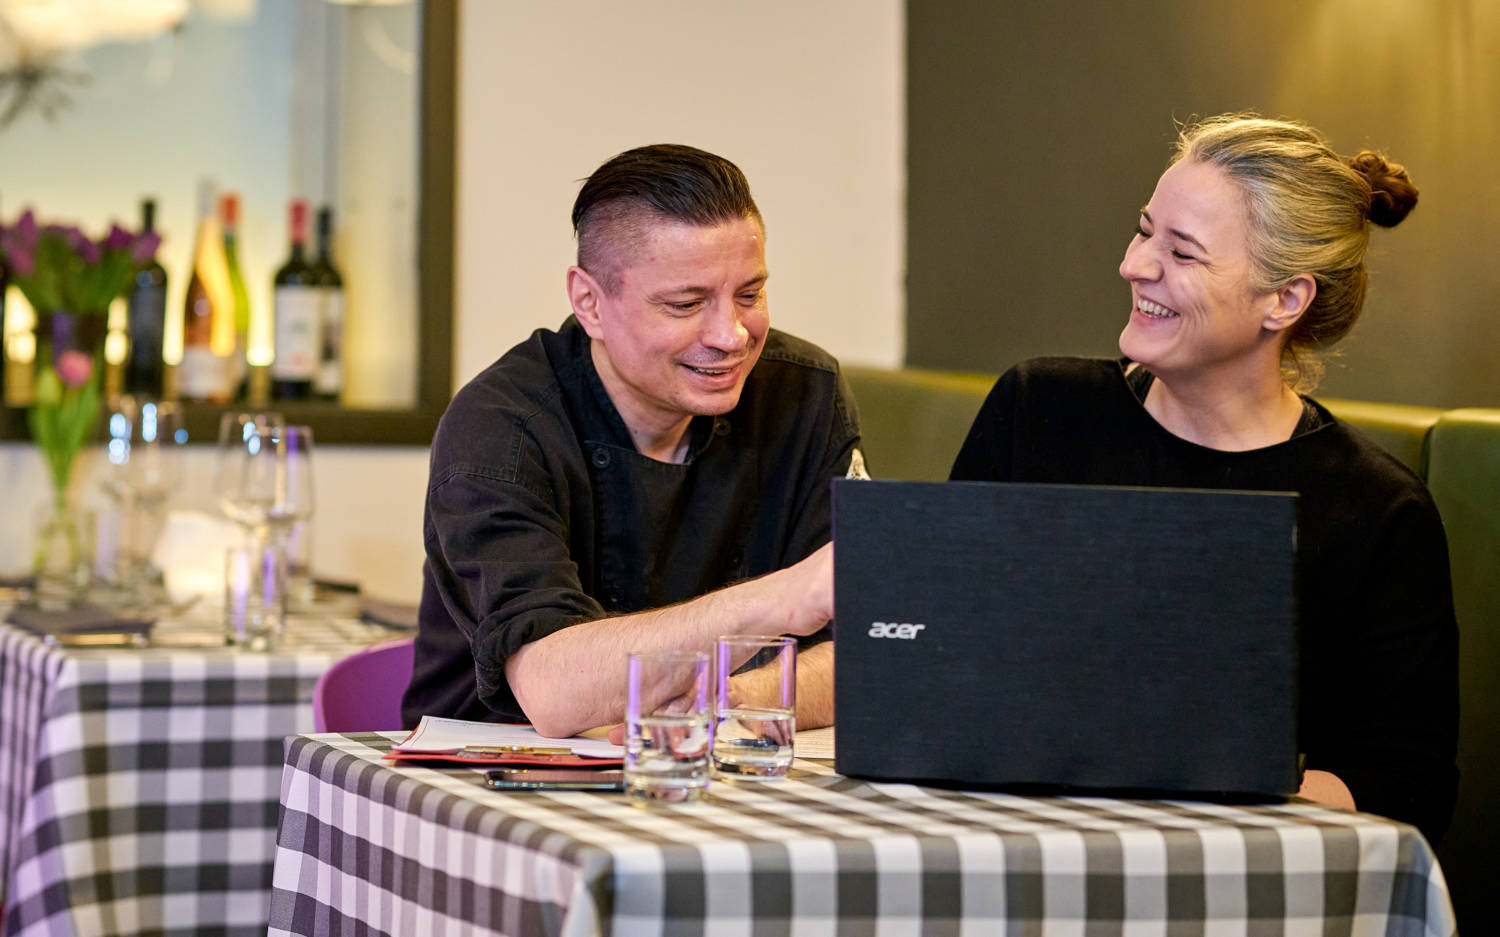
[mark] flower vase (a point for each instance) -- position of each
(62, 419)
(63, 558)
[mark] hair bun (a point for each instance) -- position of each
(1392, 194)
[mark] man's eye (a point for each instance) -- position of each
(1141, 230)
(689, 306)
(1181, 256)
(750, 299)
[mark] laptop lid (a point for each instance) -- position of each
(997, 634)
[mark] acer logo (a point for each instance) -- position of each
(904, 630)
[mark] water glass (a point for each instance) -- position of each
(667, 726)
(754, 714)
(255, 595)
(248, 471)
(143, 469)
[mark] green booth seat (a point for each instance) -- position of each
(1463, 474)
(912, 421)
(1400, 429)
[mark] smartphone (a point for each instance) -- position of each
(555, 779)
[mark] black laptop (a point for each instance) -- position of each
(1040, 637)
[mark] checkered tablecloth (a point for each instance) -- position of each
(140, 785)
(366, 848)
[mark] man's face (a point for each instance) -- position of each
(685, 325)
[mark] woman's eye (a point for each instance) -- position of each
(1141, 231)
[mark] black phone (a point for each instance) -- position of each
(555, 779)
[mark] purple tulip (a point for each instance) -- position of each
(20, 256)
(82, 246)
(119, 239)
(145, 248)
(74, 368)
(25, 227)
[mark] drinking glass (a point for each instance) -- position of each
(263, 479)
(249, 471)
(143, 467)
(666, 726)
(255, 595)
(754, 716)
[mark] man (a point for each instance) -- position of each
(616, 485)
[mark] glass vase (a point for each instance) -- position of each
(63, 558)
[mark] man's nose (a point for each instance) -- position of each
(723, 327)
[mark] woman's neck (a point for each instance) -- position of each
(1230, 415)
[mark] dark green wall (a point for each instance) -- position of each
(1037, 129)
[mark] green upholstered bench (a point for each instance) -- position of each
(913, 422)
(1463, 474)
(1400, 429)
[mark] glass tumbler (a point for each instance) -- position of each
(755, 706)
(667, 726)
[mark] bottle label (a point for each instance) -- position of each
(298, 334)
(200, 376)
(330, 378)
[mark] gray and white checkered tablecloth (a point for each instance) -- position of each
(366, 848)
(140, 785)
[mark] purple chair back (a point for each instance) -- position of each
(362, 692)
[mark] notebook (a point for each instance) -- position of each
(1066, 637)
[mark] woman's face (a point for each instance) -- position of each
(1193, 308)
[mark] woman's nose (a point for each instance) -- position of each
(1139, 262)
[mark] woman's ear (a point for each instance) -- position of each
(1292, 300)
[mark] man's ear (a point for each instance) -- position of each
(1291, 301)
(584, 295)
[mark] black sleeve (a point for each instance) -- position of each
(986, 452)
(1396, 719)
(840, 457)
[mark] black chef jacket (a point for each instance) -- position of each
(541, 513)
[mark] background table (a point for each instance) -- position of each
(139, 786)
(424, 851)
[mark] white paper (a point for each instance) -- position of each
(814, 743)
(434, 734)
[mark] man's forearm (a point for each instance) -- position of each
(814, 685)
(574, 679)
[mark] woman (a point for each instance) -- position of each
(1249, 259)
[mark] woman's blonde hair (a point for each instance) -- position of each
(1308, 212)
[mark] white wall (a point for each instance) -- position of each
(806, 97)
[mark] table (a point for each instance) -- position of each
(139, 786)
(408, 850)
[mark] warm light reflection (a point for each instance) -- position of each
(116, 344)
(20, 325)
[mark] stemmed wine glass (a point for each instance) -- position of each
(264, 474)
(144, 466)
(263, 480)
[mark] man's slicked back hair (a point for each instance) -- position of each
(660, 182)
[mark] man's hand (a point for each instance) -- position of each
(1326, 788)
(574, 679)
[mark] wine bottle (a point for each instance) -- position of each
(329, 383)
(296, 325)
(229, 217)
(208, 313)
(146, 320)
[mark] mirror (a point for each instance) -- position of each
(349, 105)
